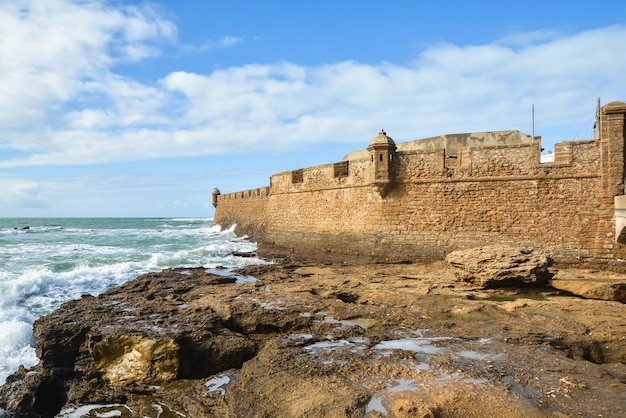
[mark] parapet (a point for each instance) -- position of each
(452, 142)
(251, 193)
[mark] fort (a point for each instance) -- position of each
(420, 200)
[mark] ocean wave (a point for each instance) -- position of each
(61, 259)
(192, 220)
(16, 343)
(41, 290)
(44, 288)
(30, 230)
(210, 255)
(9, 232)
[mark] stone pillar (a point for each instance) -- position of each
(612, 137)
(612, 148)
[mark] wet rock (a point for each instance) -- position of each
(500, 265)
(142, 334)
(244, 254)
(30, 392)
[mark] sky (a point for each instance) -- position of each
(139, 109)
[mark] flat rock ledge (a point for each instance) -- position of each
(299, 339)
(591, 284)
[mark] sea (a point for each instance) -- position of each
(45, 262)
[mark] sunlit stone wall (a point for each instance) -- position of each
(445, 194)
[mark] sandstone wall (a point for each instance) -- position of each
(437, 201)
(245, 209)
(436, 205)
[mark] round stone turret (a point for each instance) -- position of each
(215, 194)
(382, 139)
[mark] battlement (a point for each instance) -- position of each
(259, 192)
(424, 198)
(422, 159)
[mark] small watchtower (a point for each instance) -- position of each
(215, 194)
(382, 150)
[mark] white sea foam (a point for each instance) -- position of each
(16, 345)
(11, 232)
(84, 411)
(57, 260)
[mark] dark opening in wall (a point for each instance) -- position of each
(341, 169)
(297, 176)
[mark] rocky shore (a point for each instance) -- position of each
(298, 338)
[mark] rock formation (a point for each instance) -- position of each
(336, 340)
(500, 265)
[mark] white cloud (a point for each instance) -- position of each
(89, 190)
(22, 195)
(225, 42)
(62, 102)
(447, 89)
(55, 53)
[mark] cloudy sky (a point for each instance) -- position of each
(128, 108)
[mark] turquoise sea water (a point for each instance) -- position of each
(59, 259)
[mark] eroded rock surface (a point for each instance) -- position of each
(329, 340)
(500, 265)
(591, 284)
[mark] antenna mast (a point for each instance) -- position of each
(533, 118)
(596, 122)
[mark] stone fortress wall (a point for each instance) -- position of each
(422, 199)
(245, 209)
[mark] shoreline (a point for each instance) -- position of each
(332, 339)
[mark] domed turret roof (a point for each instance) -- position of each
(382, 139)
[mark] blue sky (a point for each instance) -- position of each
(126, 108)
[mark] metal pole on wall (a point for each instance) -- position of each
(596, 124)
(533, 116)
